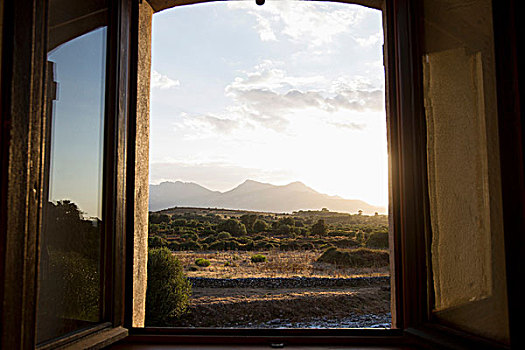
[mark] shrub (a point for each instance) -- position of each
(191, 236)
(157, 242)
(233, 245)
(319, 228)
(202, 262)
(190, 245)
(248, 220)
(260, 226)
(233, 226)
(361, 257)
(378, 240)
(257, 258)
(284, 229)
(168, 291)
(73, 281)
(174, 246)
(244, 240)
(345, 243)
(326, 246)
(219, 245)
(224, 235)
(209, 239)
(307, 246)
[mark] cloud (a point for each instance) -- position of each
(271, 92)
(162, 81)
(371, 40)
(267, 97)
(264, 28)
(351, 126)
(207, 124)
(312, 23)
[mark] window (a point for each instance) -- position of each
(72, 233)
(22, 160)
(72, 226)
(267, 149)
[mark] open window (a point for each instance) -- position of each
(269, 166)
(441, 57)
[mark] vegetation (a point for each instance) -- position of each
(70, 263)
(168, 292)
(202, 262)
(378, 240)
(361, 257)
(257, 258)
(199, 229)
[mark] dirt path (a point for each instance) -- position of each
(288, 307)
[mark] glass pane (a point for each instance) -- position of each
(72, 226)
(268, 167)
(464, 184)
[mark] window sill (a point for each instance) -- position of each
(97, 339)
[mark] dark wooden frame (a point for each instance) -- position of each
(410, 217)
(22, 82)
(22, 140)
(510, 74)
(21, 124)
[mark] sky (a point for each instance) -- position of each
(288, 91)
(77, 122)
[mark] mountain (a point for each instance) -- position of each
(253, 195)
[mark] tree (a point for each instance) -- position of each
(260, 226)
(287, 221)
(249, 220)
(168, 292)
(232, 226)
(157, 242)
(319, 228)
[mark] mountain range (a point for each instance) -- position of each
(253, 195)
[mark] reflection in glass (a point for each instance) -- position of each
(71, 237)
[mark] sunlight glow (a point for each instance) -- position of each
(289, 91)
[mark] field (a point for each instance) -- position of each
(227, 264)
(263, 270)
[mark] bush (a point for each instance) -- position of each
(173, 246)
(233, 226)
(190, 245)
(157, 242)
(260, 226)
(219, 245)
(345, 243)
(202, 262)
(224, 235)
(257, 258)
(361, 257)
(307, 246)
(378, 240)
(73, 282)
(319, 228)
(168, 291)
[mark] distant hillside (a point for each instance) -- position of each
(253, 195)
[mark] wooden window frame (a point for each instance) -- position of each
(409, 203)
(21, 103)
(24, 53)
(407, 173)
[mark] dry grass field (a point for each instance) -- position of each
(229, 264)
